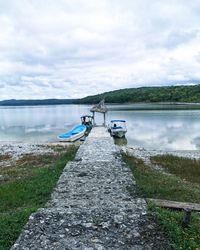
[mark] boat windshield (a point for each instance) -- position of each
(116, 124)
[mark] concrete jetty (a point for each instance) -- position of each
(94, 205)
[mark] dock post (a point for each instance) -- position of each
(93, 115)
(104, 119)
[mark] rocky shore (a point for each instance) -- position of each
(11, 152)
(145, 154)
(14, 151)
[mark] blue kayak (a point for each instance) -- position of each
(74, 134)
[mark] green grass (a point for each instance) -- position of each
(187, 169)
(170, 221)
(11, 226)
(154, 184)
(23, 194)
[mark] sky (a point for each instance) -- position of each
(75, 48)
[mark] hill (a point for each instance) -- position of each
(148, 94)
(14, 102)
(131, 95)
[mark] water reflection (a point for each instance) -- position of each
(166, 130)
(154, 129)
(121, 141)
(37, 123)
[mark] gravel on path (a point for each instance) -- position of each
(94, 206)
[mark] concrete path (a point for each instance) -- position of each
(94, 205)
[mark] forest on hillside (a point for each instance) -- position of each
(131, 95)
(148, 94)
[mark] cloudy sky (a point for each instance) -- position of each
(74, 48)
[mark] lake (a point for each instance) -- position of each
(152, 126)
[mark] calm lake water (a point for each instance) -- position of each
(152, 126)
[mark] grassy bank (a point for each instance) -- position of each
(154, 184)
(186, 169)
(27, 187)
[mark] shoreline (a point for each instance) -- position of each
(17, 149)
(145, 154)
(12, 152)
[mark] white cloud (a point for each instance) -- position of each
(69, 49)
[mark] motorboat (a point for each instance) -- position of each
(74, 134)
(117, 128)
(87, 120)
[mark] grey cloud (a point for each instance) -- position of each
(176, 38)
(198, 57)
(10, 80)
(2, 85)
(96, 46)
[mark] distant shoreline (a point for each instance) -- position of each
(37, 102)
(141, 106)
(8, 103)
(172, 94)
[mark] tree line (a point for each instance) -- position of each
(148, 94)
(130, 95)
